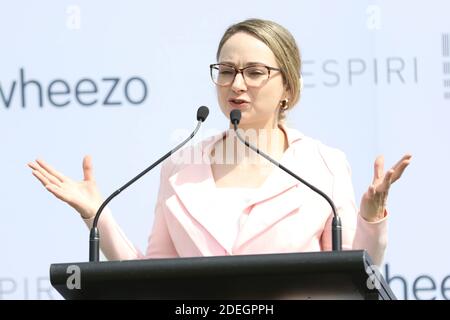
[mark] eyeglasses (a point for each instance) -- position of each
(254, 75)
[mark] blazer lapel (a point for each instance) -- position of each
(194, 186)
(280, 195)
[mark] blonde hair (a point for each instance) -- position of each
(283, 45)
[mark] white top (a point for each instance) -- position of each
(232, 217)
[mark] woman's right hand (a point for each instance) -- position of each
(83, 196)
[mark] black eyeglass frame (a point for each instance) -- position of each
(239, 70)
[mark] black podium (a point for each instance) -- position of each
(314, 275)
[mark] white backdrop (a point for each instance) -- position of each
(377, 80)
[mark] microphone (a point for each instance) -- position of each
(336, 229)
(94, 237)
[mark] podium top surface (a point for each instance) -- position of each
(262, 276)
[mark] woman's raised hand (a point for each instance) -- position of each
(83, 196)
(373, 202)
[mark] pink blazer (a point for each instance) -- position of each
(284, 216)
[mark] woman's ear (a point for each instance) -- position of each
(287, 95)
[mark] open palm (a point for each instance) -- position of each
(83, 196)
(373, 202)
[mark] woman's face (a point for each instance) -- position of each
(261, 106)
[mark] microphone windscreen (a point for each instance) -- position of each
(235, 116)
(202, 113)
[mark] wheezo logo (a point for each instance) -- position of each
(29, 92)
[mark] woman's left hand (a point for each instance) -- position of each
(373, 202)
